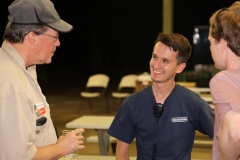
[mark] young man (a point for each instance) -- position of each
(26, 128)
(164, 116)
(224, 38)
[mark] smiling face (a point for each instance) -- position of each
(163, 64)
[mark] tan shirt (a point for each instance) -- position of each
(19, 93)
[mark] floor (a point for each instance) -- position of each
(65, 105)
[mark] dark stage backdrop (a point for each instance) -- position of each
(115, 37)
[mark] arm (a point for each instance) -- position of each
(122, 151)
(65, 145)
(205, 121)
(229, 139)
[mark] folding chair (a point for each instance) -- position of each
(126, 87)
(95, 88)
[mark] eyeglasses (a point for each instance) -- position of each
(55, 37)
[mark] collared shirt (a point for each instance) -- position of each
(20, 93)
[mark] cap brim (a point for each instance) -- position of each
(60, 26)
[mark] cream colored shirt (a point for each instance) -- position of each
(19, 93)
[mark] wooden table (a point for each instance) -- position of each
(208, 99)
(143, 84)
(187, 84)
(200, 90)
(100, 124)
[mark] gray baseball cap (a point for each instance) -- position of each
(37, 12)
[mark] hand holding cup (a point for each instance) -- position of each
(71, 141)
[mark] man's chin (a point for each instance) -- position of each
(48, 61)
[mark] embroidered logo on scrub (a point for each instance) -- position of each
(179, 119)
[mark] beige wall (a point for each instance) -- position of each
(167, 16)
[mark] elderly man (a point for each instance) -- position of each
(26, 129)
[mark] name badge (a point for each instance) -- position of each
(40, 109)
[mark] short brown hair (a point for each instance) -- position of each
(178, 43)
(225, 23)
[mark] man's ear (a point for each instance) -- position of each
(223, 45)
(31, 37)
(180, 67)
